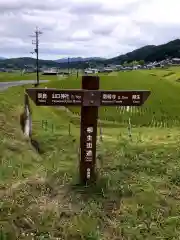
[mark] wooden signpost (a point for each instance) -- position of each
(89, 98)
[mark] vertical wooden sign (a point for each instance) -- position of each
(89, 117)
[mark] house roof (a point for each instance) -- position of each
(176, 59)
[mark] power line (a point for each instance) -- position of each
(36, 51)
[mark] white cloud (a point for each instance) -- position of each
(86, 28)
(159, 11)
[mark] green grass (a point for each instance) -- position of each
(8, 77)
(137, 192)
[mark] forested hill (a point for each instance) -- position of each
(150, 53)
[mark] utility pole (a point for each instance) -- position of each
(68, 65)
(36, 51)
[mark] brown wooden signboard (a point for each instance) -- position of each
(89, 98)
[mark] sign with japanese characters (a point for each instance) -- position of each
(122, 98)
(52, 97)
(89, 146)
(89, 98)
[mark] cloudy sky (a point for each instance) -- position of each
(86, 28)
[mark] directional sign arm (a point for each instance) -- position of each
(54, 97)
(124, 98)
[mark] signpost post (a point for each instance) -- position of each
(89, 98)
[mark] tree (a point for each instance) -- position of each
(135, 63)
(125, 64)
(141, 62)
(130, 64)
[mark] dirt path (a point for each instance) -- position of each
(6, 85)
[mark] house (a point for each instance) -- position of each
(51, 71)
(175, 60)
(119, 67)
(111, 66)
(149, 66)
(91, 71)
(135, 67)
(108, 69)
(30, 70)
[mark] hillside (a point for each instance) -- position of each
(150, 53)
(21, 62)
(79, 59)
(25, 61)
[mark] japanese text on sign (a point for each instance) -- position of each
(136, 97)
(42, 96)
(52, 97)
(88, 173)
(89, 146)
(109, 96)
(122, 98)
(60, 96)
(90, 129)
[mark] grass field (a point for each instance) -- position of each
(8, 77)
(137, 192)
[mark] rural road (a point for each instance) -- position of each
(6, 85)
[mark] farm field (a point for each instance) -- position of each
(137, 192)
(162, 109)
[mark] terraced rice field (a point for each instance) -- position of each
(162, 109)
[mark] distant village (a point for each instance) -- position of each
(99, 68)
(112, 67)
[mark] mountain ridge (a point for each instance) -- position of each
(77, 59)
(147, 53)
(151, 53)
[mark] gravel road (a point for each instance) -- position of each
(6, 85)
